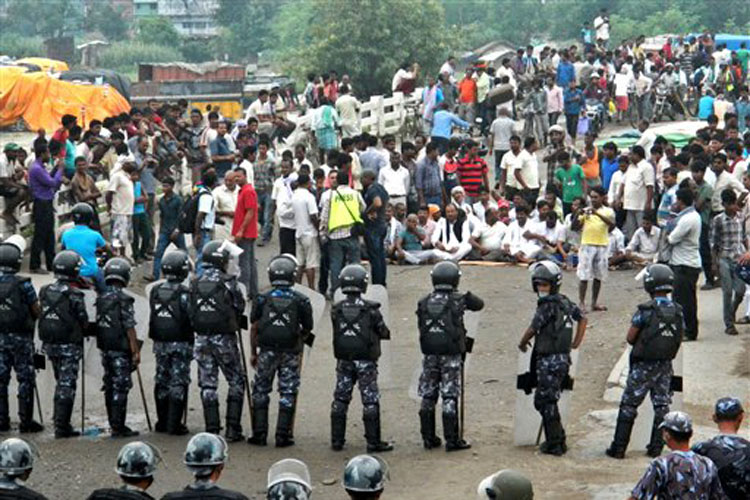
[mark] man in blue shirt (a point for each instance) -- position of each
(706, 106)
(572, 101)
(85, 242)
(442, 126)
(566, 72)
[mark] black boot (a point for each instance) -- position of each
(174, 417)
(211, 416)
(285, 428)
(427, 424)
(338, 431)
(108, 405)
(621, 439)
(63, 411)
(260, 427)
(234, 418)
(26, 415)
(4, 416)
(372, 434)
(555, 438)
(119, 412)
(162, 410)
(656, 444)
(450, 430)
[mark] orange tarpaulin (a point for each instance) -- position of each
(42, 101)
(45, 64)
(8, 76)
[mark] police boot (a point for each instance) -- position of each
(621, 439)
(162, 410)
(338, 431)
(4, 416)
(211, 416)
(555, 437)
(108, 405)
(427, 423)
(656, 444)
(26, 415)
(119, 413)
(372, 434)
(260, 427)
(234, 418)
(450, 430)
(285, 428)
(63, 411)
(176, 411)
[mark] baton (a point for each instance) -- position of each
(247, 380)
(38, 403)
(461, 412)
(143, 397)
(83, 394)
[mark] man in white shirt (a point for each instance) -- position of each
(644, 244)
(515, 241)
(601, 25)
(395, 180)
(306, 230)
(347, 106)
(647, 138)
(404, 73)
(501, 131)
(508, 166)
(281, 195)
(527, 171)
(260, 109)
(449, 68)
(724, 180)
(487, 239)
(120, 198)
(248, 159)
(638, 190)
(451, 236)
(225, 197)
(205, 218)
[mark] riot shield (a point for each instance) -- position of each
(291, 470)
(318, 302)
(142, 314)
(233, 266)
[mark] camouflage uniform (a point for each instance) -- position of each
(731, 455)
(645, 377)
(362, 372)
(680, 475)
(172, 369)
(441, 376)
(287, 364)
(17, 350)
(118, 365)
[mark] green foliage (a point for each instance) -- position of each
(48, 19)
(18, 46)
(197, 50)
(125, 56)
(158, 30)
(246, 27)
(108, 21)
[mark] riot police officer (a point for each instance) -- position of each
(172, 333)
(358, 328)
(506, 483)
(552, 327)
(136, 465)
(117, 343)
(282, 321)
(365, 477)
(444, 344)
(19, 309)
(655, 333)
(216, 305)
(16, 464)
(289, 479)
(62, 323)
(205, 456)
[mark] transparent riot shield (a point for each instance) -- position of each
(289, 478)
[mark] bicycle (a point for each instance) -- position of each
(412, 122)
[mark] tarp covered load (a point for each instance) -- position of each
(45, 64)
(42, 101)
(99, 77)
(8, 77)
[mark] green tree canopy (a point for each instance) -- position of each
(245, 27)
(109, 21)
(158, 30)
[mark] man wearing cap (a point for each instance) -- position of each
(728, 451)
(505, 484)
(682, 473)
(10, 189)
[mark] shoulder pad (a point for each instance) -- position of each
(371, 304)
(23, 279)
(647, 306)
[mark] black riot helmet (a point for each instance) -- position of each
(66, 265)
(117, 269)
(658, 278)
(546, 271)
(281, 270)
(11, 258)
(353, 279)
(445, 275)
(175, 265)
(215, 256)
(83, 214)
(365, 474)
(16, 457)
(205, 452)
(137, 460)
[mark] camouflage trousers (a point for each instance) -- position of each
(17, 353)
(551, 370)
(441, 377)
(287, 365)
(172, 369)
(363, 373)
(214, 352)
(644, 377)
(65, 360)
(118, 366)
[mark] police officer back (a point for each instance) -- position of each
(117, 343)
(682, 473)
(358, 328)
(16, 464)
(656, 334)
(282, 321)
(552, 327)
(728, 451)
(216, 305)
(136, 465)
(443, 341)
(205, 456)
(19, 310)
(365, 477)
(62, 323)
(172, 333)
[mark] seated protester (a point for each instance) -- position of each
(572, 235)
(399, 212)
(550, 196)
(412, 243)
(393, 228)
(550, 233)
(11, 187)
(481, 206)
(616, 186)
(616, 257)
(516, 241)
(503, 211)
(540, 214)
(644, 244)
(426, 223)
(458, 196)
(487, 239)
(451, 237)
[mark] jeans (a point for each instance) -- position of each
(324, 268)
(498, 160)
(248, 267)
(705, 251)
(434, 200)
(342, 252)
(161, 246)
(685, 281)
(374, 241)
(571, 123)
(732, 289)
(43, 215)
(553, 117)
(205, 238)
(141, 235)
(264, 213)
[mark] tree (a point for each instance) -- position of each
(108, 21)
(158, 30)
(246, 26)
(48, 19)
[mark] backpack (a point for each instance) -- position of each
(189, 212)
(440, 328)
(13, 312)
(211, 308)
(279, 327)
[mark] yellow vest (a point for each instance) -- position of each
(344, 205)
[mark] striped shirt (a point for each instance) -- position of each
(264, 173)
(726, 236)
(471, 173)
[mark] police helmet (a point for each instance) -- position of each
(137, 460)
(353, 279)
(289, 479)
(445, 275)
(204, 452)
(16, 457)
(506, 484)
(281, 270)
(83, 213)
(365, 473)
(215, 256)
(117, 269)
(67, 264)
(546, 271)
(658, 278)
(11, 258)
(175, 265)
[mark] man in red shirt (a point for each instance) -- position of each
(61, 134)
(245, 231)
(467, 97)
(473, 172)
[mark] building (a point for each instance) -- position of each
(191, 18)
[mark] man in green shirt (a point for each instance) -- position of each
(743, 55)
(703, 206)
(570, 179)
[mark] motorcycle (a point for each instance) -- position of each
(595, 113)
